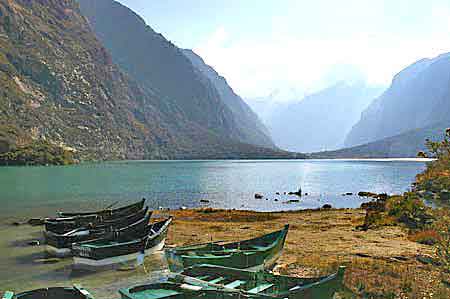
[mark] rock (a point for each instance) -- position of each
(444, 195)
(276, 199)
(277, 193)
(298, 193)
(349, 193)
(306, 194)
(367, 194)
(34, 243)
(204, 201)
(327, 206)
(258, 196)
(293, 201)
(36, 221)
(427, 260)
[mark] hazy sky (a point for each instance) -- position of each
(261, 46)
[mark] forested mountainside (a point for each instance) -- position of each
(405, 145)
(418, 97)
(321, 120)
(59, 85)
(185, 93)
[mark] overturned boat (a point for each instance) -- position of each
(51, 293)
(262, 283)
(62, 225)
(254, 254)
(122, 247)
(60, 245)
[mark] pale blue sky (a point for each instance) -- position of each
(266, 45)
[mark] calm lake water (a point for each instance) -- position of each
(40, 191)
(225, 184)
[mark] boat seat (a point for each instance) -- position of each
(259, 247)
(8, 295)
(234, 284)
(260, 288)
(202, 277)
(218, 279)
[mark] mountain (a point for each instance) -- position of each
(405, 145)
(253, 130)
(194, 93)
(268, 106)
(417, 98)
(321, 120)
(59, 85)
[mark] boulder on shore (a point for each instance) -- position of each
(258, 196)
(327, 206)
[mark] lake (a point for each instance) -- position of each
(40, 191)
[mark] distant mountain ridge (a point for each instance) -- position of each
(418, 97)
(405, 145)
(321, 120)
(165, 71)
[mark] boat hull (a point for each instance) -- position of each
(231, 255)
(103, 252)
(61, 245)
(52, 293)
(86, 263)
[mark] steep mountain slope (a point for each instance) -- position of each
(162, 69)
(405, 145)
(419, 96)
(58, 84)
(321, 120)
(253, 131)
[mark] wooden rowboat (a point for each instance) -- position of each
(67, 224)
(123, 247)
(180, 291)
(119, 212)
(51, 293)
(254, 254)
(60, 245)
(262, 283)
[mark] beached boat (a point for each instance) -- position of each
(64, 225)
(123, 247)
(118, 212)
(254, 254)
(51, 293)
(60, 245)
(181, 291)
(262, 283)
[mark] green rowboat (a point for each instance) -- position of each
(51, 293)
(254, 254)
(181, 291)
(262, 283)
